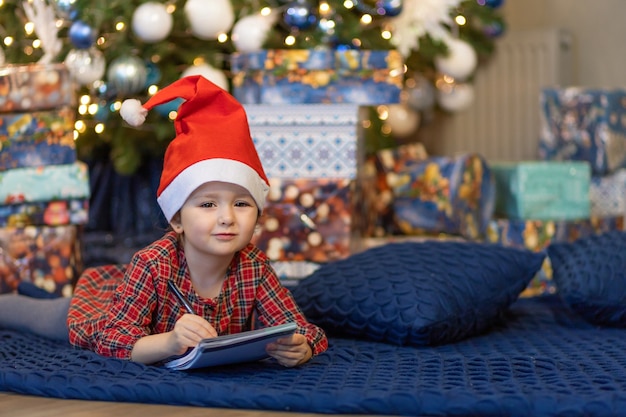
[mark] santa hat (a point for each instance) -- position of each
(212, 142)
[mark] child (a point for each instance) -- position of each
(212, 192)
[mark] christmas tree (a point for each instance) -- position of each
(117, 49)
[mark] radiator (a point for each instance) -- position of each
(503, 122)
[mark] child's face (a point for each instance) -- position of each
(218, 218)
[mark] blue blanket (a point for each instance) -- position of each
(542, 361)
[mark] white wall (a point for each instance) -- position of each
(598, 29)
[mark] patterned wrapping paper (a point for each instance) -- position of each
(306, 141)
(45, 213)
(374, 215)
(317, 76)
(542, 190)
(307, 220)
(35, 87)
(444, 195)
(47, 256)
(31, 139)
(584, 125)
(53, 182)
(537, 235)
(608, 194)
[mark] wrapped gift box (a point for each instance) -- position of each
(317, 76)
(35, 87)
(374, 215)
(45, 213)
(444, 195)
(52, 182)
(608, 194)
(537, 235)
(584, 125)
(306, 220)
(37, 138)
(46, 256)
(306, 141)
(542, 190)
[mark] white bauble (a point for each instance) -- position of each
(456, 97)
(209, 18)
(214, 75)
(250, 32)
(460, 62)
(85, 65)
(151, 22)
(402, 120)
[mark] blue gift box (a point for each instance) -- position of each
(584, 125)
(444, 195)
(317, 76)
(31, 139)
(542, 190)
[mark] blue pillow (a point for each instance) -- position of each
(417, 293)
(590, 276)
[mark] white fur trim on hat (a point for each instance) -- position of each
(176, 193)
(133, 112)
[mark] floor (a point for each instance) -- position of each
(14, 405)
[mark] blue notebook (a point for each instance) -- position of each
(233, 348)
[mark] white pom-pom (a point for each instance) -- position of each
(133, 112)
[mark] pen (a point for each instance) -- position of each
(180, 296)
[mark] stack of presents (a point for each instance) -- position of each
(44, 190)
(329, 198)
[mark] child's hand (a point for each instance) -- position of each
(290, 351)
(188, 331)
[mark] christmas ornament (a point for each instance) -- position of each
(402, 120)
(209, 18)
(65, 9)
(166, 108)
(212, 74)
(455, 97)
(127, 75)
(43, 18)
(461, 60)
(82, 35)
(300, 15)
(420, 93)
(494, 4)
(85, 65)
(153, 74)
(250, 32)
(388, 8)
(494, 29)
(151, 22)
(420, 18)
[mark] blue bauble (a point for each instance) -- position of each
(82, 35)
(300, 14)
(65, 9)
(389, 8)
(494, 4)
(494, 30)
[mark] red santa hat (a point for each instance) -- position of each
(212, 143)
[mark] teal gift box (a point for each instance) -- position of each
(51, 182)
(542, 190)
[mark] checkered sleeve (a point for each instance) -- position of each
(276, 305)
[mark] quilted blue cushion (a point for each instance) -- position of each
(590, 276)
(417, 293)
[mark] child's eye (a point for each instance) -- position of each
(208, 204)
(242, 204)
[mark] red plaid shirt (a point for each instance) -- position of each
(114, 306)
